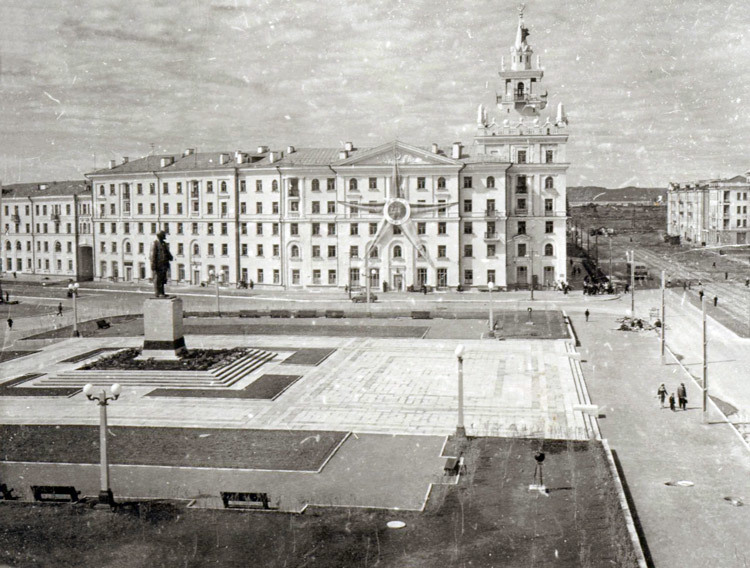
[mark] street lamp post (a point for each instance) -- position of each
(705, 360)
(490, 287)
(460, 429)
(105, 492)
(215, 276)
(73, 289)
(663, 314)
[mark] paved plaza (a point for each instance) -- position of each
(376, 385)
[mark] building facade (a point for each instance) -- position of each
(47, 229)
(325, 217)
(710, 212)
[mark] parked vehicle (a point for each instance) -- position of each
(640, 271)
(362, 298)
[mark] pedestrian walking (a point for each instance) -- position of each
(716, 300)
(59, 309)
(682, 396)
(586, 313)
(700, 295)
(671, 402)
(662, 394)
(10, 323)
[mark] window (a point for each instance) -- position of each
(166, 208)
(467, 205)
(275, 207)
(332, 277)
(152, 188)
(275, 185)
(179, 187)
(491, 277)
(372, 183)
(165, 187)
(331, 207)
(101, 192)
(243, 186)
(490, 182)
(258, 229)
(210, 208)
(276, 276)
(549, 250)
(210, 249)
(209, 187)
(374, 252)
(316, 207)
(294, 229)
(316, 276)
(224, 229)
(315, 229)
(294, 251)
(354, 229)
(421, 183)
(331, 184)
(259, 208)
(468, 251)
(397, 252)
(354, 251)
(141, 248)
(153, 208)
(210, 228)
(275, 229)
(179, 208)
(521, 204)
(548, 205)
(223, 208)
(441, 183)
(549, 226)
(521, 228)
(128, 249)
(442, 251)
(442, 277)
(549, 156)
(352, 184)
(194, 228)
(521, 249)
(58, 246)
(331, 229)
(316, 251)
(260, 275)
(442, 228)
(468, 182)
(373, 229)
(421, 228)
(521, 156)
(112, 209)
(243, 249)
(468, 228)
(521, 184)
(111, 189)
(468, 277)
(549, 183)
(276, 251)
(315, 185)
(491, 251)
(103, 246)
(223, 187)
(331, 251)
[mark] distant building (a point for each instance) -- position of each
(47, 229)
(710, 212)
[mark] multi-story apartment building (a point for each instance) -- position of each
(47, 229)
(401, 214)
(710, 212)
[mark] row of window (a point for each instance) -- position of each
(40, 246)
(39, 264)
(43, 228)
(56, 209)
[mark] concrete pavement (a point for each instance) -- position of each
(684, 526)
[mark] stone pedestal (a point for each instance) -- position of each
(162, 327)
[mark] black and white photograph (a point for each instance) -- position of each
(376, 283)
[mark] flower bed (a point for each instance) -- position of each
(193, 360)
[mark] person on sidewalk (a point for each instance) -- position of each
(59, 309)
(587, 314)
(662, 394)
(716, 300)
(682, 396)
(671, 402)
(10, 323)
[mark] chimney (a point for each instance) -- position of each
(456, 154)
(343, 155)
(189, 152)
(223, 158)
(262, 149)
(166, 161)
(435, 148)
(289, 150)
(274, 156)
(125, 159)
(562, 117)
(112, 164)
(348, 146)
(240, 157)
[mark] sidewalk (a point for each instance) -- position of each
(683, 526)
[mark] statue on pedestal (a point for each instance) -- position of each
(160, 259)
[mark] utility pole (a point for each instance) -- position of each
(663, 308)
(610, 258)
(631, 260)
(532, 275)
(705, 363)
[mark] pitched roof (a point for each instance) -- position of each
(46, 189)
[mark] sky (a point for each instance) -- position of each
(655, 91)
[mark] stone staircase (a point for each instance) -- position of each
(222, 377)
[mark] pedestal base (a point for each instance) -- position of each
(162, 329)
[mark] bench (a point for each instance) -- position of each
(334, 313)
(55, 493)
(250, 314)
(280, 314)
(420, 315)
(245, 500)
(6, 494)
(102, 324)
(451, 466)
(306, 314)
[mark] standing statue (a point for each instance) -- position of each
(160, 259)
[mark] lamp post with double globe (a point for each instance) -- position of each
(102, 399)
(490, 287)
(73, 292)
(460, 429)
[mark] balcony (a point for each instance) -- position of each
(294, 193)
(15, 219)
(522, 211)
(521, 190)
(491, 236)
(55, 217)
(491, 213)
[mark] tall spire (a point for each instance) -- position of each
(522, 32)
